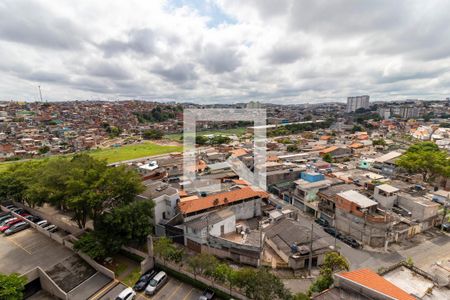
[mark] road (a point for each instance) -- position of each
(424, 250)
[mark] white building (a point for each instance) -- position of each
(353, 103)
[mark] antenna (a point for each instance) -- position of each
(40, 93)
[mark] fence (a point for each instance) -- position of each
(198, 280)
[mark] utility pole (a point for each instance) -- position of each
(40, 93)
(446, 204)
(310, 249)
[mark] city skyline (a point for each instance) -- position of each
(224, 51)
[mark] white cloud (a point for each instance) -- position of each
(230, 50)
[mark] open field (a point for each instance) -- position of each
(122, 153)
(232, 131)
(133, 151)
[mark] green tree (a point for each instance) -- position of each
(261, 285)
(92, 245)
(425, 158)
(16, 180)
(12, 286)
(357, 128)
(292, 148)
(201, 140)
(300, 296)
(44, 149)
(380, 142)
(225, 274)
(219, 139)
(202, 263)
(152, 134)
(333, 262)
(125, 224)
(328, 158)
(166, 250)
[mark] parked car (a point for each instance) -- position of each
(156, 283)
(126, 294)
(142, 283)
(16, 228)
(207, 295)
(9, 224)
(6, 217)
(42, 223)
(332, 231)
(20, 211)
(51, 228)
(35, 219)
(10, 218)
(446, 227)
(322, 222)
(351, 242)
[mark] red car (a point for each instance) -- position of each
(9, 224)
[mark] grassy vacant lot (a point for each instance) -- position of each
(133, 151)
(123, 153)
(232, 131)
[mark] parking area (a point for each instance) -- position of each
(172, 290)
(28, 249)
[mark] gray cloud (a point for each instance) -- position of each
(179, 73)
(289, 50)
(220, 59)
(112, 70)
(31, 24)
(141, 41)
(286, 54)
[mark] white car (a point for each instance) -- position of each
(156, 283)
(42, 223)
(126, 294)
(51, 228)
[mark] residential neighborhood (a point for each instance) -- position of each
(224, 150)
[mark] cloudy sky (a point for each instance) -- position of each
(277, 51)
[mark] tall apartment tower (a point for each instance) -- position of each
(353, 103)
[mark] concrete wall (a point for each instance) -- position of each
(52, 219)
(372, 234)
(384, 201)
(420, 210)
(229, 225)
(105, 271)
(47, 283)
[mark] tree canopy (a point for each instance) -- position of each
(152, 134)
(12, 286)
(83, 185)
(427, 159)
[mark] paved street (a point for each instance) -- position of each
(425, 249)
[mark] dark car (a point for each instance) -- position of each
(207, 295)
(322, 222)
(351, 242)
(19, 211)
(142, 283)
(332, 231)
(446, 227)
(6, 217)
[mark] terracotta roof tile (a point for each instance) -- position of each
(372, 280)
(222, 198)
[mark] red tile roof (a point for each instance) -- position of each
(372, 280)
(219, 199)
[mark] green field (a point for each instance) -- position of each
(122, 153)
(133, 151)
(232, 131)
